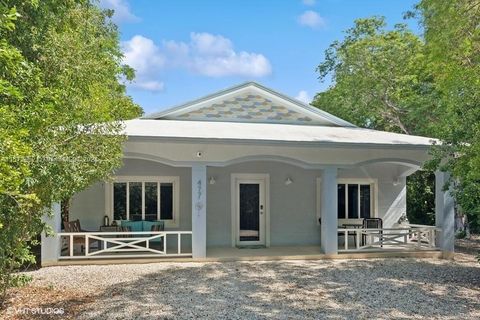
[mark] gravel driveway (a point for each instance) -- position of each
(333, 289)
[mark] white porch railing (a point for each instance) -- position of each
(411, 237)
(135, 244)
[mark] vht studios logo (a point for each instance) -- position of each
(36, 311)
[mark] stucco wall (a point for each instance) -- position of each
(391, 197)
(293, 215)
(292, 207)
(89, 205)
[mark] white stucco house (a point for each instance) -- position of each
(248, 172)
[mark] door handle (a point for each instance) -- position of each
(261, 209)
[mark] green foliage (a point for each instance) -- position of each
(61, 106)
(380, 78)
(381, 81)
(394, 80)
(452, 37)
(421, 198)
(461, 234)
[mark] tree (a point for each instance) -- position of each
(62, 102)
(452, 37)
(421, 197)
(396, 81)
(17, 78)
(381, 80)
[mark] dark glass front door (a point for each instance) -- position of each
(249, 212)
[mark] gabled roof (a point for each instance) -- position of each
(250, 102)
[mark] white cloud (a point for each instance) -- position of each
(214, 56)
(309, 2)
(205, 54)
(304, 97)
(209, 44)
(311, 19)
(145, 57)
(152, 85)
(121, 8)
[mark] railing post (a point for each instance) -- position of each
(70, 248)
(419, 238)
(179, 235)
(357, 238)
(165, 243)
(431, 236)
(87, 246)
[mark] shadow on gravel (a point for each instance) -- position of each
(397, 288)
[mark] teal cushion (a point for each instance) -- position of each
(134, 225)
(147, 225)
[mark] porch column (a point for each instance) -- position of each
(328, 229)
(50, 246)
(444, 214)
(199, 211)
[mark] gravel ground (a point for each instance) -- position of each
(333, 289)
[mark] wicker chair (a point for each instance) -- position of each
(74, 226)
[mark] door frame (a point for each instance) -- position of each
(236, 178)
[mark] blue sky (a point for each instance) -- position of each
(183, 49)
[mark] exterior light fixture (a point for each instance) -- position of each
(396, 181)
(212, 180)
(288, 181)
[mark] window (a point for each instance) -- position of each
(166, 200)
(145, 199)
(341, 202)
(120, 200)
(365, 201)
(354, 201)
(151, 201)
(135, 200)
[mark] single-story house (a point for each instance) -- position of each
(249, 171)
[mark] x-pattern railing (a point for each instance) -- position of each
(121, 244)
(410, 237)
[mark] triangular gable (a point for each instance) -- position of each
(250, 102)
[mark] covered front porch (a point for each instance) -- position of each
(409, 240)
(299, 216)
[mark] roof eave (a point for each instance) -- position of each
(334, 144)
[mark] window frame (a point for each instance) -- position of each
(352, 181)
(174, 180)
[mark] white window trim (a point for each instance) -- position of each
(373, 200)
(175, 180)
